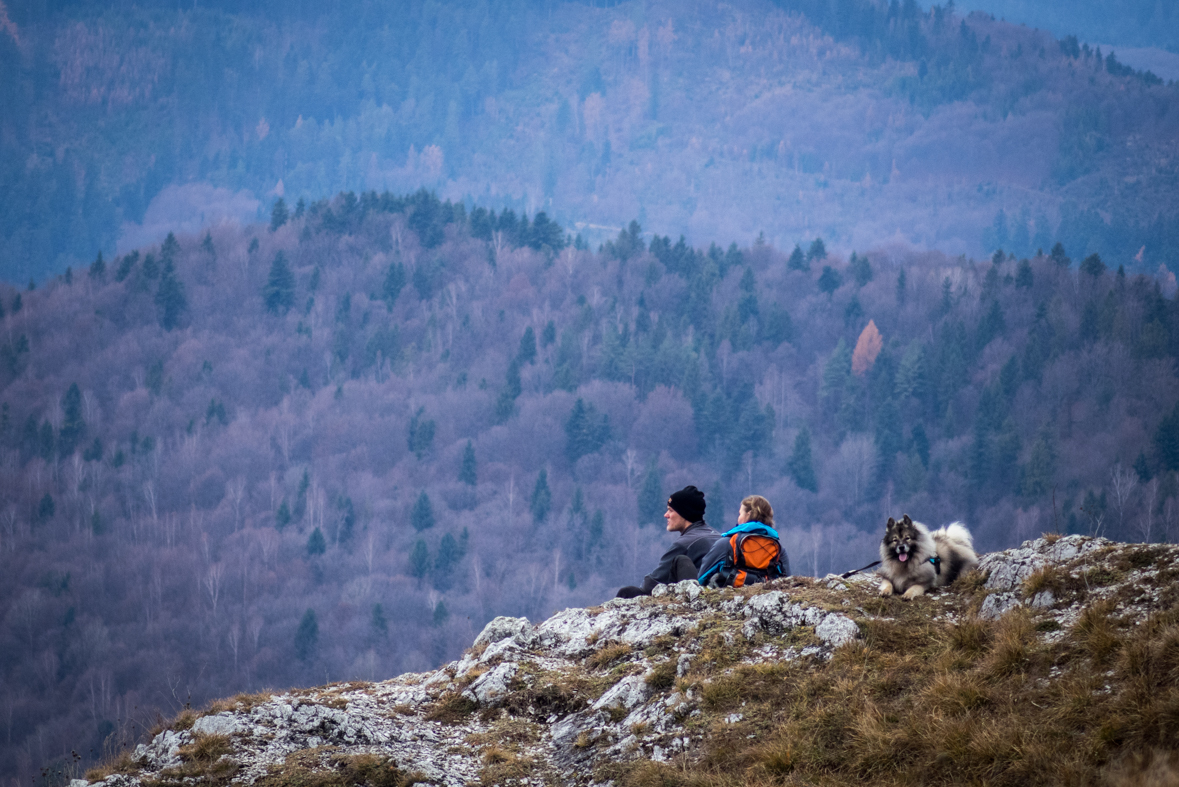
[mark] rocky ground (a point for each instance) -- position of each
(577, 697)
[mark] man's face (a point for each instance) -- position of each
(675, 522)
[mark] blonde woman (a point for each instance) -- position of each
(750, 552)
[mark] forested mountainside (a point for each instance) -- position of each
(854, 121)
(335, 446)
(1139, 23)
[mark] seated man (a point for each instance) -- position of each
(685, 515)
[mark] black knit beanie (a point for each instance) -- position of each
(688, 503)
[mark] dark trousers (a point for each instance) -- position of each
(682, 569)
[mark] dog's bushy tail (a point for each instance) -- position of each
(957, 534)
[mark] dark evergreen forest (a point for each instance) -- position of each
(853, 120)
(334, 445)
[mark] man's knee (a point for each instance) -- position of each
(683, 568)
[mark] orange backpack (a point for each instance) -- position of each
(747, 554)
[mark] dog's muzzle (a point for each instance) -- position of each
(903, 552)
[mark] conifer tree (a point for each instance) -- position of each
(421, 433)
(449, 554)
(125, 266)
(170, 297)
(861, 269)
(282, 517)
(151, 268)
(586, 430)
(1166, 440)
(1059, 256)
(829, 280)
(1039, 473)
(1093, 266)
(169, 249)
(652, 502)
(817, 252)
(747, 304)
(316, 544)
(542, 498)
(422, 516)
(307, 636)
(279, 214)
(1023, 275)
(279, 292)
(73, 425)
(505, 405)
(468, 473)
(527, 351)
(801, 464)
(378, 622)
(98, 268)
(46, 508)
(394, 283)
(419, 560)
(798, 261)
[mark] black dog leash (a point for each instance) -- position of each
(858, 570)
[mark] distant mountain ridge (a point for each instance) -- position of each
(859, 122)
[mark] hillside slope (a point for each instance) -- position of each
(1056, 663)
(335, 450)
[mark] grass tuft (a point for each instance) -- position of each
(1095, 633)
(608, 655)
(325, 767)
(662, 676)
(453, 708)
(205, 748)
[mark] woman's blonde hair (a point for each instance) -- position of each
(760, 509)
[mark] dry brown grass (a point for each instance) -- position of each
(202, 762)
(662, 675)
(920, 701)
(1094, 631)
(452, 708)
(325, 767)
(240, 702)
(123, 764)
(501, 766)
(205, 748)
(608, 655)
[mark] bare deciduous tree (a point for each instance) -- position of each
(213, 584)
(1122, 482)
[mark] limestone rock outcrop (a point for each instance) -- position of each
(556, 701)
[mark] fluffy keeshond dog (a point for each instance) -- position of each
(914, 560)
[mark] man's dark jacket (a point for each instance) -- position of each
(694, 542)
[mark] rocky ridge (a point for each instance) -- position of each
(575, 698)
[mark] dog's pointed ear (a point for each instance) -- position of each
(891, 522)
(906, 520)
